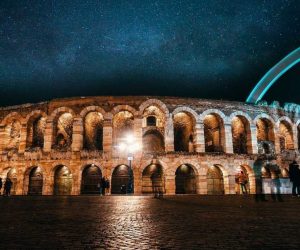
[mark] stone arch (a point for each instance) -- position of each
(184, 123)
(89, 109)
(214, 131)
(12, 124)
(285, 133)
(10, 117)
(185, 180)
(241, 133)
(122, 180)
(241, 113)
(249, 172)
(11, 172)
(153, 180)
(33, 180)
(63, 180)
(36, 125)
(154, 102)
(123, 124)
(121, 108)
(91, 179)
(213, 111)
(153, 141)
(57, 112)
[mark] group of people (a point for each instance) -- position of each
(7, 186)
(294, 172)
(104, 186)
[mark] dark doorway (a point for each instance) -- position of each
(62, 181)
(35, 182)
(91, 179)
(153, 179)
(12, 175)
(215, 181)
(185, 180)
(122, 180)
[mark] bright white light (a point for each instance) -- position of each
(133, 147)
(129, 139)
(122, 146)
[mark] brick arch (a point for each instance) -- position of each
(188, 110)
(120, 108)
(297, 123)
(90, 162)
(266, 116)
(12, 115)
(213, 111)
(61, 110)
(26, 177)
(240, 113)
(154, 102)
(35, 113)
(88, 109)
(195, 166)
(286, 119)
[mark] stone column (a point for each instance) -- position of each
(277, 141)
(20, 181)
(23, 138)
(170, 184)
(77, 136)
(137, 181)
(295, 137)
(138, 134)
(252, 143)
(76, 183)
(48, 183)
(169, 134)
(199, 140)
(107, 136)
(48, 136)
(228, 147)
(229, 184)
(2, 138)
(202, 184)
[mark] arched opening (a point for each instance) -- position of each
(238, 186)
(35, 132)
(151, 121)
(91, 180)
(62, 131)
(12, 175)
(215, 181)
(153, 179)
(285, 136)
(93, 131)
(123, 125)
(185, 180)
(241, 135)
(122, 180)
(153, 141)
(62, 181)
(35, 186)
(12, 135)
(214, 133)
(184, 126)
(265, 136)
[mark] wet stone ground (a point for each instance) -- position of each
(141, 222)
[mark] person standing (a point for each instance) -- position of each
(0, 184)
(242, 179)
(294, 173)
(107, 186)
(7, 187)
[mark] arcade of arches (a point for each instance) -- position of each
(186, 146)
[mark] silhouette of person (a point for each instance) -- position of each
(295, 178)
(0, 184)
(7, 187)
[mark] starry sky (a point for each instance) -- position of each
(215, 49)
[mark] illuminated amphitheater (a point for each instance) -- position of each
(191, 146)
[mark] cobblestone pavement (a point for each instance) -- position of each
(141, 222)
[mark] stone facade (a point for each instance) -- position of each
(186, 145)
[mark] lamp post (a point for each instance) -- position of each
(129, 145)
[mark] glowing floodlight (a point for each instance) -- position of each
(273, 75)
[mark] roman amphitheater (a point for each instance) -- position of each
(191, 146)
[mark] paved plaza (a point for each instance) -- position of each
(142, 222)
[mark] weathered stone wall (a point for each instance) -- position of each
(70, 130)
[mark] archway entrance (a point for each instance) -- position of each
(122, 180)
(238, 186)
(91, 180)
(215, 181)
(35, 182)
(62, 181)
(185, 180)
(12, 175)
(153, 179)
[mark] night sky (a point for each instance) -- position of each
(208, 49)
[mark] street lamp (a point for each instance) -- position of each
(129, 145)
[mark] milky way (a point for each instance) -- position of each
(208, 49)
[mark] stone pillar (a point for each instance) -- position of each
(137, 181)
(228, 147)
(20, 181)
(138, 134)
(2, 138)
(48, 183)
(169, 134)
(77, 136)
(23, 138)
(170, 186)
(199, 140)
(229, 184)
(107, 136)
(202, 184)
(252, 143)
(295, 137)
(48, 136)
(76, 185)
(277, 141)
